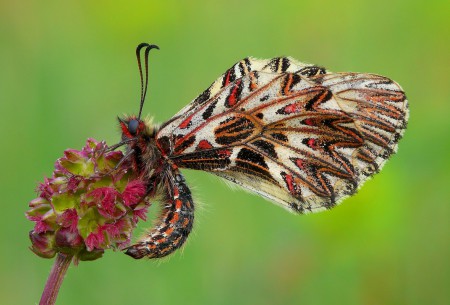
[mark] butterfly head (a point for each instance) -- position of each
(134, 128)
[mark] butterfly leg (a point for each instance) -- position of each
(175, 222)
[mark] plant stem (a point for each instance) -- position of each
(55, 279)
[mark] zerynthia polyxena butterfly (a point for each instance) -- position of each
(294, 133)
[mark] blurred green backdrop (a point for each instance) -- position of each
(68, 69)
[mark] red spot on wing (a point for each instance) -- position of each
(292, 108)
(232, 99)
(309, 122)
(204, 144)
(187, 122)
(224, 152)
(227, 79)
(300, 163)
(312, 143)
(290, 183)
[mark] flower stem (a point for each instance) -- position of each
(55, 279)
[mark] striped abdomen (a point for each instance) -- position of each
(175, 223)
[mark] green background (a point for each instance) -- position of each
(67, 69)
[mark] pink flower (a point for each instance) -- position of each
(88, 205)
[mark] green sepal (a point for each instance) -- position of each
(39, 209)
(85, 255)
(64, 201)
(89, 222)
(84, 168)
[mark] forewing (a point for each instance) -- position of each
(304, 140)
(242, 68)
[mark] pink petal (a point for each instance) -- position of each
(141, 213)
(133, 193)
(107, 197)
(73, 182)
(41, 226)
(94, 240)
(113, 229)
(69, 219)
(59, 169)
(45, 189)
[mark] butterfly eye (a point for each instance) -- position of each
(133, 126)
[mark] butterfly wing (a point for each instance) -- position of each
(244, 67)
(290, 132)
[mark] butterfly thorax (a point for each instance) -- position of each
(145, 157)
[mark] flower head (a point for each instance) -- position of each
(88, 205)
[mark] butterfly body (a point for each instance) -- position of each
(293, 133)
(163, 180)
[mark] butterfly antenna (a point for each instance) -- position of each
(144, 84)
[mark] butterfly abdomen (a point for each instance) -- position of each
(175, 222)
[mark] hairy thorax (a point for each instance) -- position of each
(144, 154)
(146, 158)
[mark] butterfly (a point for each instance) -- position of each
(294, 133)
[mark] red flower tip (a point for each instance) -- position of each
(107, 197)
(73, 182)
(140, 213)
(73, 155)
(133, 193)
(37, 202)
(45, 190)
(93, 146)
(94, 240)
(41, 226)
(113, 229)
(69, 219)
(114, 155)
